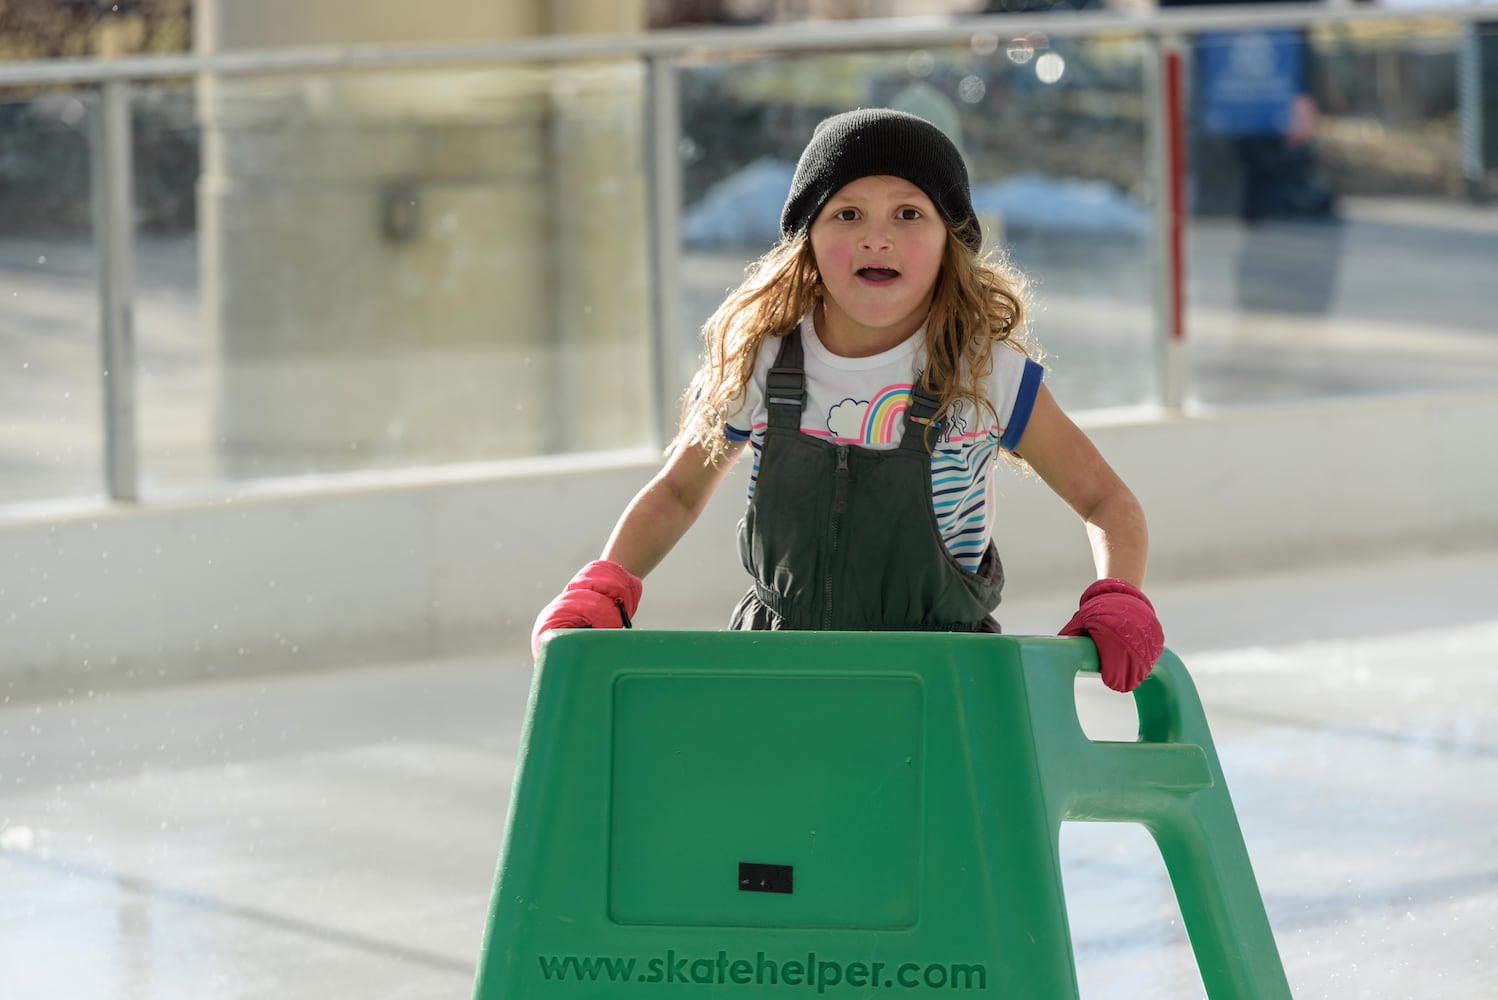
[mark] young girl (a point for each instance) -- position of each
(876, 365)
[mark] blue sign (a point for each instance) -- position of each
(1247, 81)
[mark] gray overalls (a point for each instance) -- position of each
(842, 537)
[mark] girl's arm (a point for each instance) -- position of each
(1066, 459)
(661, 513)
(1113, 612)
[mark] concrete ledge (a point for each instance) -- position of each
(316, 573)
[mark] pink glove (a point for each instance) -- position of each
(603, 594)
(1121, 622)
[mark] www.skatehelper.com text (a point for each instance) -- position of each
(811, 972)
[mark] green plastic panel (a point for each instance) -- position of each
(756, 814)
(820, 775)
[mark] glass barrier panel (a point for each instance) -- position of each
(340, 272)
(361, 271)
(1054, 133)
(1334, 248)
(51, 412)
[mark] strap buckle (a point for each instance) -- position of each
(786, 386)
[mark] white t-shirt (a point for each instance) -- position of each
(863, 401)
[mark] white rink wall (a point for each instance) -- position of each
(459, 560)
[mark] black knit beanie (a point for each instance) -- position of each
(875, 141)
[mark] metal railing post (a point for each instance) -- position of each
(1470, 111)
(664, 200)
(1167, 151)
(113, 214)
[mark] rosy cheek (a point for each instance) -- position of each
(830, 257)
(933, 254)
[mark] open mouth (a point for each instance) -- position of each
(878, 275)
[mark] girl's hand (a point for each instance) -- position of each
(1121, 622)
(603, 594)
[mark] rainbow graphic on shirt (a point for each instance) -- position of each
(884, 420)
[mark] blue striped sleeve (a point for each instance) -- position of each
(1024, 403)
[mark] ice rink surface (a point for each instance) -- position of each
(334, 834)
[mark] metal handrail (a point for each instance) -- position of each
(873, 33)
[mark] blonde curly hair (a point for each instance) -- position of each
(978, 303)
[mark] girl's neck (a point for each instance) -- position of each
(848, 339)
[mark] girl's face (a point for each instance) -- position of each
(878, 243)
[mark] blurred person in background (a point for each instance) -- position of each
(1254, 116)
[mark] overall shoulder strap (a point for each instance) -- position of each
(785, 387)
(920, 415)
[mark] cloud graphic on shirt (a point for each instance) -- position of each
(845, 420)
